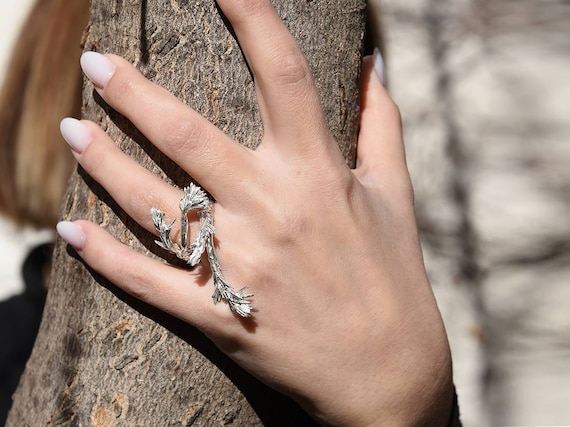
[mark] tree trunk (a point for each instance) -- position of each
(103, 358)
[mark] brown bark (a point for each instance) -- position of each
(103, 358)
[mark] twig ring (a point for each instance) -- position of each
(195, 198)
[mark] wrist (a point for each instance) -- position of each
(395, 403)
(412, 391)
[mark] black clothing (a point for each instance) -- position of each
(20, 318)
(454, 420)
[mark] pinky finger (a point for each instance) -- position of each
(171, 289)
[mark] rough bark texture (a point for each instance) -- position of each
(102, 358)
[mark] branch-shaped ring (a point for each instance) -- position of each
(196, 199)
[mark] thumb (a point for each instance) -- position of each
(380, 145)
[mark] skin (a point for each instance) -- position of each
(344, 317)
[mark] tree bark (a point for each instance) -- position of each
(103, 358)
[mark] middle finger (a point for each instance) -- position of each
(286, 92)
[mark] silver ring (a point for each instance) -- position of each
(195, 198)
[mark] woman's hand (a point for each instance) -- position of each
(344, 318)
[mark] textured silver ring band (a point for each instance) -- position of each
(195, 198)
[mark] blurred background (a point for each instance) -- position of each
(483, 87)
(15, 242)
(483, 90)
(41, 81)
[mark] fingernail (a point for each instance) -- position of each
(98, 68)
(77, 135)
(72, 234)
(379, 65)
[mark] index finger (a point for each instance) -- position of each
(205, 152)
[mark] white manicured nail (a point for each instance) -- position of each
(379, 65)
(98, 68)
(72, 234)
(77, 135)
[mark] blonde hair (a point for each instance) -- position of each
(42, 85)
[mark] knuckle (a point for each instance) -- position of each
(339, 181)
(292, 227)
(134, 281)
(331, 181)
(247, 8)
(184, 136)
(281, 222)
(137, 284)
(293, 71)
(140, 203)
(242, 11)
(294, 223)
